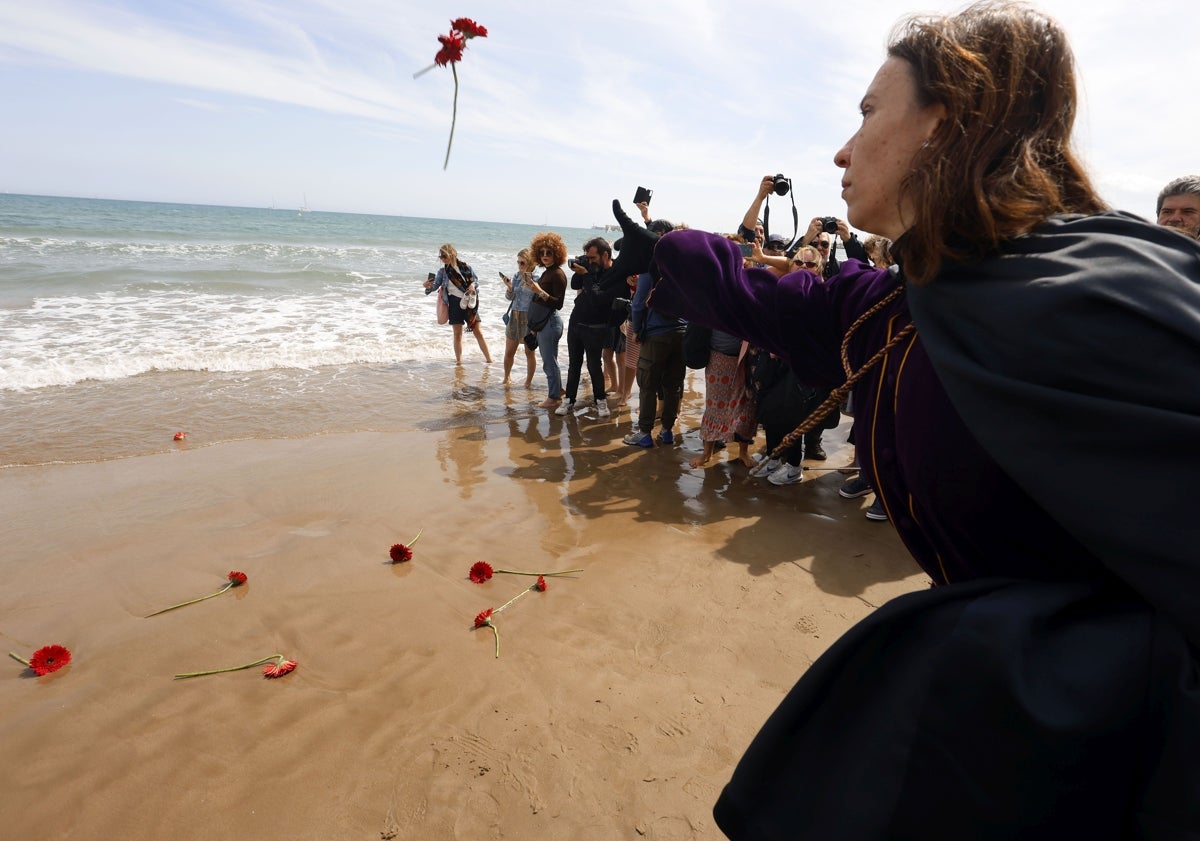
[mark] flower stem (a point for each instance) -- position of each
(496, 633)
(20, 659)
(547, 574)
(278, 658)
(453, 116)
(415, 539)
(193, 601)
(510, 601)
(420, 73)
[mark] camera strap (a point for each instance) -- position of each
(795, 220)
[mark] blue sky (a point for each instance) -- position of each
(563, 107)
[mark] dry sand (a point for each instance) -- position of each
(620, 704)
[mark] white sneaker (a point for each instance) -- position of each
(766, 467)
(602, 409)
(565, 407)
(786, 475)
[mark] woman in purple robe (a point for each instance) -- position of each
(1048, 685)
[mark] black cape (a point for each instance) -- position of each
(1015, 709)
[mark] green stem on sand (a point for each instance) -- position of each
(193, 601)
(496, 633)
(278, 658)
(453, 115)
(415, 539)
(20, 659)
(546, 574)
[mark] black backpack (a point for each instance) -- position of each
(697, 345)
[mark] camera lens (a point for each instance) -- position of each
(781, 185)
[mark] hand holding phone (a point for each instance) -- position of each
(504, 277)
(642, 195)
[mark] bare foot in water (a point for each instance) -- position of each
(699, 461)
(549, 403)
(506, 382)
(529, 383)
(748, 460)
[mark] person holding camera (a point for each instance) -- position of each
(589, 324)
(821, 231)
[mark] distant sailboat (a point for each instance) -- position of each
(304, 207)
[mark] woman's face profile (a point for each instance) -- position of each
(878, 157)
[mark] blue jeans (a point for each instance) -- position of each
(548, 338)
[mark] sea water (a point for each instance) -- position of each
(122, 323)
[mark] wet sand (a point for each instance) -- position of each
(620, 704)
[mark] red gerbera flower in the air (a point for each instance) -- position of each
(540, 584)
(482, 618)
(237, 578)
(480, 572)
(47, 659)
(278, 669)
(452, 49)
(468, 28)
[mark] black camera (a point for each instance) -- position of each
(581, 261)
(782, 185)
(829, 224)
(622, 306)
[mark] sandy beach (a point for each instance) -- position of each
(622, 699)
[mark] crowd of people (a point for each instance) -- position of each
(619, 335)
(1046, 685)
(624, 339)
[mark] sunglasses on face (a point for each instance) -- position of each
(822, 244)
(808, 264)
(520, 262)
(546, 252)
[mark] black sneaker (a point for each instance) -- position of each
(876, 511)
(854, 488)
(816, 452)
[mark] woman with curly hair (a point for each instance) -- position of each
(549, 294)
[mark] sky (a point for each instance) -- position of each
(564, 106)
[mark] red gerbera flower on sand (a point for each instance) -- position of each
(402, 554)
(452, 49)
(482, 618)
(279, 669)
(47, 659)
(236, 578)
(480, 572)
(540, 584)
(468, 28)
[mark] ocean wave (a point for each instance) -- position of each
(67, 340)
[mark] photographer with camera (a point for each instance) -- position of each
(589, 323)
(753, 228)
(820, 235)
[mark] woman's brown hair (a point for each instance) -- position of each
(552, 241)
(1001, 162)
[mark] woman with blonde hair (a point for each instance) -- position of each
(455, 281)
(519, 290)
(1046, 686)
